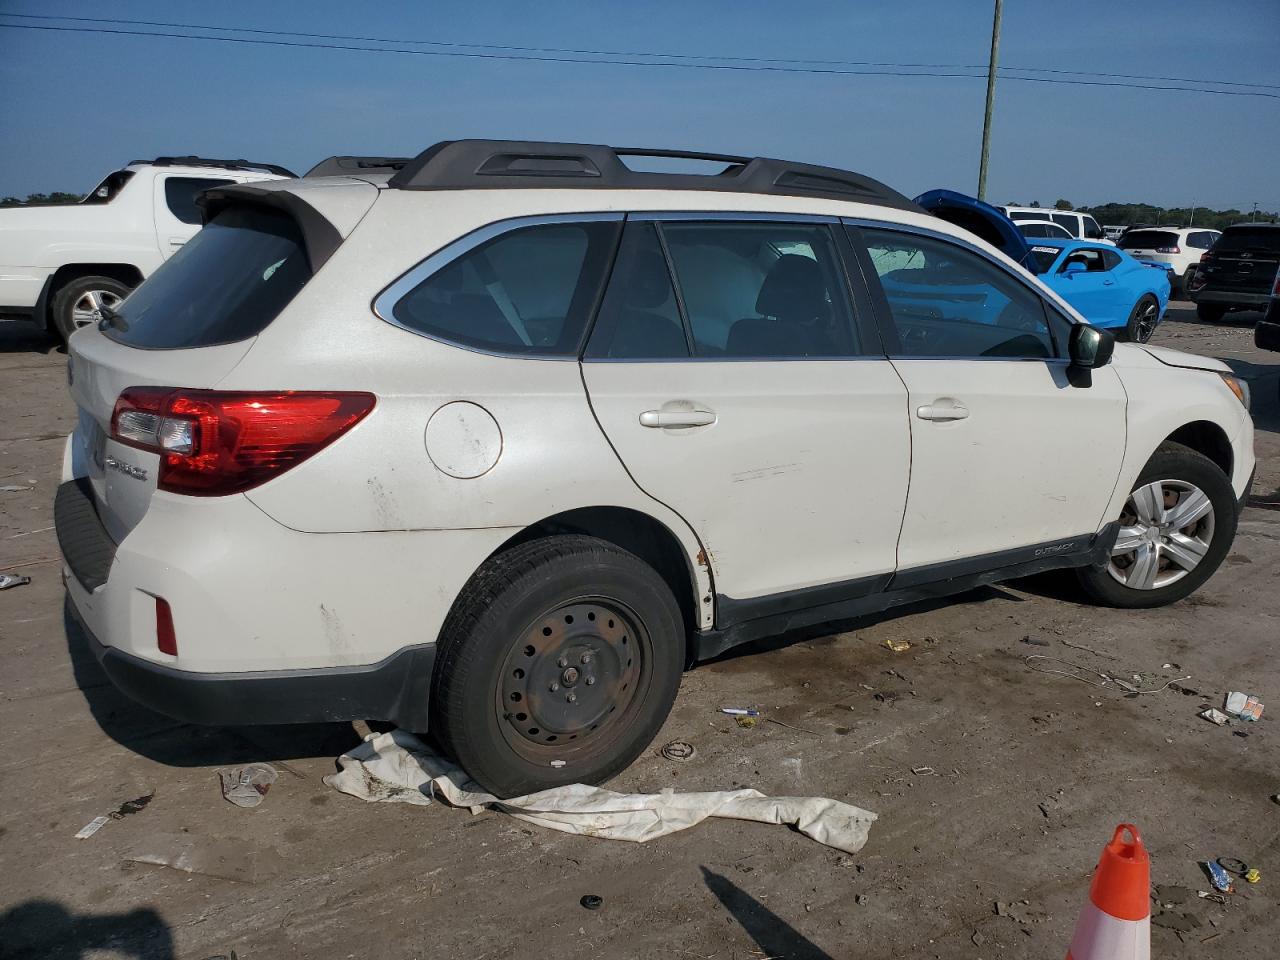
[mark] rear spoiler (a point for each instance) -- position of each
(320, 237)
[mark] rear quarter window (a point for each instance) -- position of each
(180, 195)
(227, 283)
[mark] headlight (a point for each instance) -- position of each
(1239, 387)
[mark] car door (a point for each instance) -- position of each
(177, 218)
(1090, 287)
(744, 387)
(1007, 457)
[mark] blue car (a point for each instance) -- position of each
(1104, 284)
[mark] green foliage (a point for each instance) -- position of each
(40, 198)
(1063, 205)
(1131, 213)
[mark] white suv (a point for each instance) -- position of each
(60, 264)
(1082, 226)
(497, 445)
(1178, 247)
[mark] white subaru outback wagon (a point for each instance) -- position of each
(494, 445)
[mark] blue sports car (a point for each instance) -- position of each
(1104, 284)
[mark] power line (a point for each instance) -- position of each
(575, 51)
(618, 62)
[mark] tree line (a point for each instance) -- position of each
(40, 198)
(1128, 214)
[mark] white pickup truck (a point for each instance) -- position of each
(60, 264)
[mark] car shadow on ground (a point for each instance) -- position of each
(1183, 311)
(46, 930)
(22, 336)
(178, 744)
(773, 935)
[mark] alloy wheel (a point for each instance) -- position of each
(1166, 529)
(88, 308)
(1146, 324)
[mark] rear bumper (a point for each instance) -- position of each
(1232, 298)
(396, 690)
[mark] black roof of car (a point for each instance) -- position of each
(217, 164)
(347, 166)
(525, 164)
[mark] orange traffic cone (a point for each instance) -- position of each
(1116, 922)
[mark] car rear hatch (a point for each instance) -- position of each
(1245, 259)
(186, 327)
(1150, 244)
(982, 220)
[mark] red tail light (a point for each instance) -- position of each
(166, 639)
(1168, 249)
(212, 443)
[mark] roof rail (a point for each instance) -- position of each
(219, 164)
(506, 164)
(340, 166)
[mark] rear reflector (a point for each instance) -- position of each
(166, 639)
(212, 443)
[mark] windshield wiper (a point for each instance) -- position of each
(111, 318)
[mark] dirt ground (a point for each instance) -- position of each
(1022, 776)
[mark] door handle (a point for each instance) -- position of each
(943, 409)
(677, 418)
(1108, 283)
(177, 241)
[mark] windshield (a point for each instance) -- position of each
(1147, 240)
(1044, 257)
(227, 283)
(1257, 239)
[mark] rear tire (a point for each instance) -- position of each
(78, 302)
(558, 664)
(1143, 319)
(1154, 569)
(1210, 312)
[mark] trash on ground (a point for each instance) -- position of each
(1243, 705)
(1214, 716)
(92, 827)
(1086, 675)
(923, 771)
(746, 723)
(15, 488)
(740, 711)
(897, 646)
(592, 902)
(679, 751)
(1220, 879)
(8, 580)
(1252, 875)
(130, 807)
(246, 786)
(1035, 641)
(397, 766)
(1215, 897)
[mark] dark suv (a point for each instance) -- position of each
(1240, 272)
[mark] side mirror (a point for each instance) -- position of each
(1089, 348)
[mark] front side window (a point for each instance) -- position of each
(946, 301)
(180, 195)
(1091, 229)
(528, 291)
(762, 290)
(1091, 259)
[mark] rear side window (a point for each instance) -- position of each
(1253, 239)
(1066, 220)
(1201, 239)
(227, 283)
(528, 291)
(1147, 240)
(180, 195)
(1026, 215)
(762, 290)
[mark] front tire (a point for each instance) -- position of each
(1175, 529)
(79, 303)
(1210, 312)
(1143, 319)
(558, 664)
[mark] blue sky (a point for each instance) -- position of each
(78, 105)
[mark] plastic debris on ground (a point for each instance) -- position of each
(398, 767)
(1243, 705)
(8, 580)
(1220, 879)
(246, 786)
(679, 751)
(92, 827)
(126, 809)
(897, 646)
(1214, 716)
(15, 488)
(740, 711)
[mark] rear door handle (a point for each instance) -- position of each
(677, 418)
(943, 409)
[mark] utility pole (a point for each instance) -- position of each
(1193, 214)
(991, 99)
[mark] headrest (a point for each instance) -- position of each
(793, 289)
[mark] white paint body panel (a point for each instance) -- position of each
(803, 480)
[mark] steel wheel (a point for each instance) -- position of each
(88, 306)
(572, 678)
(1144, 324)
(1166, 528)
